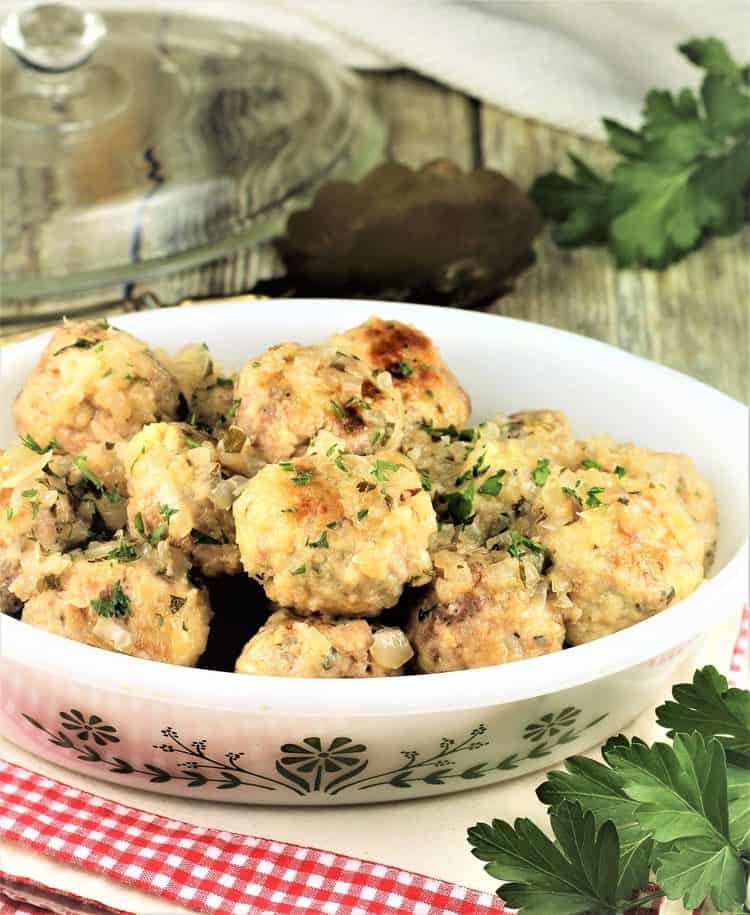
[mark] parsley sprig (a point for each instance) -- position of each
(680, 178)
(679, 812)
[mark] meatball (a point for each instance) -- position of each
(483, 608)
(319, 646)
(336, 533)
(177, 491)
(483, 478)
(621, 549)
(291, 392)
(207, 389)
(675, 471)
(131, 606)
(94, 383)
(37, 516)
(431, 393)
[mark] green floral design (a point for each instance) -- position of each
(313, 766)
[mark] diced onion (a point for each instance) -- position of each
(390, 648)
(113, 633)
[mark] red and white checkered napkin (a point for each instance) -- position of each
(211, 870)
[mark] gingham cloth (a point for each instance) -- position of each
(212, 870)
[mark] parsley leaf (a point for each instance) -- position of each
(321, 542)
(426, 479)
(682, 794)
(519, 544)
(30, 442)
(80, 343)
(302, 478)
(382, 467)
(577, 874)
(588, 464)
(155, 536)
(682, 176)
(124, 552)
(541, 471)
(492, 485)
(82, 464)
(114, 603)
(592, 497)
(459, 505)
(709, 706)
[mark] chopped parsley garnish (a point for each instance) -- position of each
(82, 464)
(201, 537)
(321, 542)
(573, 494)
(233, 409)
(424, 476)
(541, 471)
(302, 478)
(591, 465)
(107, 373)
(338, 409)
(29, 493)
(35, 509)
(225, 382)
(382, 467)
(340, 464)
(619, 471)
(124, 552)
(287, 466)
(403, 369)
(30, 442)
(9, 513)
(362, 514)
(332, 450)
(134, 378)
(192, 443)
(114, 603)
(459, 505)
(300, 570)
(519, 544)
(155, 536)
(464, 435)
(376, 437)
(592, 500)
(80, 343)
(332, 525)
(255, 365)
(492, 485)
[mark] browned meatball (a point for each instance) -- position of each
(178, 492)
(94, 383)
(483, 608)
(621, 549)
(431, 393)
(677, 472)
(134, 607)
(320, 646)
(482, 478)
(336, 533)
(291, 392)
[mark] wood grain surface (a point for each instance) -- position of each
(694, 316)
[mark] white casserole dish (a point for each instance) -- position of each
(220, 736)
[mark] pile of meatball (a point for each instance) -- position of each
(387, 535)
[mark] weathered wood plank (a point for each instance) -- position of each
(426, 121)
(692, 316)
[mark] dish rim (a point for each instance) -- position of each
(417, 694)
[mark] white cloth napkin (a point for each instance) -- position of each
(564, 62)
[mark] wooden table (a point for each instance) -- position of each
(693, 316)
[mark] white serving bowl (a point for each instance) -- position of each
(220, 736)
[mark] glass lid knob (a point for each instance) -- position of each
(53, 37)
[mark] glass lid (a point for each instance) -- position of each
(133, 143)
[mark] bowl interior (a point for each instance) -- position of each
(505, 365)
